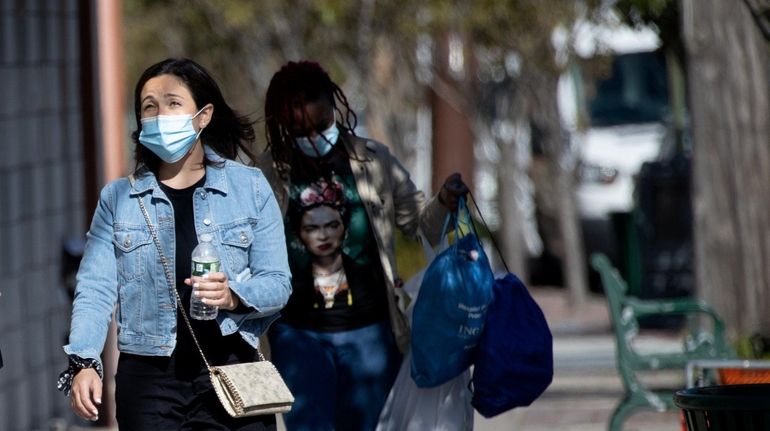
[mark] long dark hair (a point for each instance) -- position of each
(227, 133)
(294, 85)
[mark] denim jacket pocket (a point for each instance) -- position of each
(236, 242)
(131, 249)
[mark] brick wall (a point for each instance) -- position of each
(43, 202)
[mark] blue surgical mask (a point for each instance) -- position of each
(170, 137)
(322, 143)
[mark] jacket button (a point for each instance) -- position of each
(206, 221)
(204, 195)
(244, 238)
(127, 242)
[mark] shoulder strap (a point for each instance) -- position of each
(169, 277)
(491, 237)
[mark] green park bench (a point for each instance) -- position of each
(625, 310)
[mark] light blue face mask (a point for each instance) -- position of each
(321, 144)
(170, 137)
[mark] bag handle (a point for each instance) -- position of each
(457, 218)
(170, 278)
(464, 217)
(491, 237)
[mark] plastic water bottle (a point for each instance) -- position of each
(204, 260)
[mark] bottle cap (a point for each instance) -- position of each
(205, 237)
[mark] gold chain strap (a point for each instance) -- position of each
(170, 278)
(237, 400)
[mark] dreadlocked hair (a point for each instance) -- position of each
(294, 85)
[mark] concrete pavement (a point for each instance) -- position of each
(586, 386)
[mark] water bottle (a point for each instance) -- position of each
(204, 260)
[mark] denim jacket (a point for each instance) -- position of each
(391, 200)
(121, 264)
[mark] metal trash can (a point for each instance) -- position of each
(726, 408)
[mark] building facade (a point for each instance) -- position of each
(48, 180)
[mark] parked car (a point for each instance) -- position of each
(616, 123)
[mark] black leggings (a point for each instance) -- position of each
(151, 395)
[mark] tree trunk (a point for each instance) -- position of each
(375, 83)
(513, 186)
(728, 90)
(575, 272)
(547, 126)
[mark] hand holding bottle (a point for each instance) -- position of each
(214, 290)
(210, 287)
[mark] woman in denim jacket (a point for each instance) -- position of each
(339, 357)
(186, 140)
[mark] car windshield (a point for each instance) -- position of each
(635, 92)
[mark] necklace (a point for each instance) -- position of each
(328, 285)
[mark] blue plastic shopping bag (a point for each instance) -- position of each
(514, 359)
(450, 310)
(446, 407)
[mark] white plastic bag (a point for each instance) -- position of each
(446, 407)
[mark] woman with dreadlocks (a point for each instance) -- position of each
(340, 355)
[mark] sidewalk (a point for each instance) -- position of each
(586, 387)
